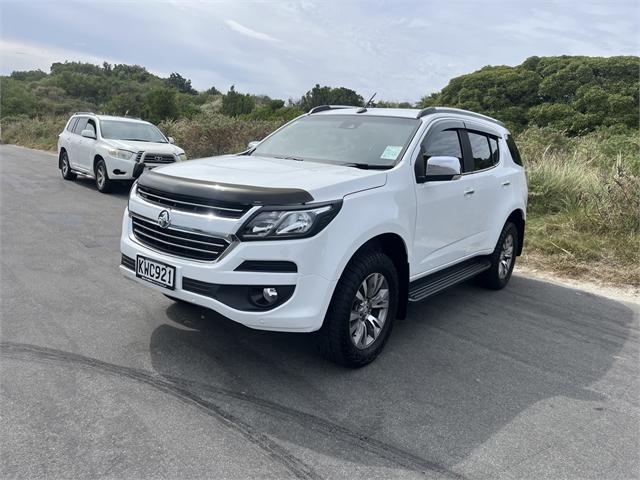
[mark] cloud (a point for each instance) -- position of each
(367, 46)
(241, 29)
(20, 55)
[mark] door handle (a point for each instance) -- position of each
(506, 183)
(469, 191)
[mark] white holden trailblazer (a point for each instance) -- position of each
(112, 149)
(334, 222)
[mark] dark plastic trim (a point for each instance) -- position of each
(239, 297)
(322, 108)
(270, 266)
(224, 192)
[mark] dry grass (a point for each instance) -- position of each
(584, 205)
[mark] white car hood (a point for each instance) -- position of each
(145, 146)
(323, 181)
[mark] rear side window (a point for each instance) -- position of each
(480, 150)
(445, 143)
(513, 150)
(81, 125)
(72, 124)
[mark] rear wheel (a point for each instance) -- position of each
(102, 177)
(360, 316)
(503, 259)
(65, 167)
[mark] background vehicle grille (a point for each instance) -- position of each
(150, 157)
(192, 204)
(198, 246)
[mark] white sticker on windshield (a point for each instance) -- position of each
(391, 152)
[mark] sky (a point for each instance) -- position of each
(400, 49)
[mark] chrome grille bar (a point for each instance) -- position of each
(178, 242)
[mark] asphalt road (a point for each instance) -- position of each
(104, 378)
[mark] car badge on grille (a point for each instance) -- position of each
(158, 158)
(164, 219)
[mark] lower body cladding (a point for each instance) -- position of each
(290, 301)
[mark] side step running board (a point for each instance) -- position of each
(439, 281)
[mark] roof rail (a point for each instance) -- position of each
(84, 113)
(322, 108)
(433, 110)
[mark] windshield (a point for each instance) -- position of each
(343, 139)
(143, 132)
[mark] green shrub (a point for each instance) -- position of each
(216, 134)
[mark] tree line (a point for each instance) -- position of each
(570, 93)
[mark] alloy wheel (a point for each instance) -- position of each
(506, 257)
(369, 310)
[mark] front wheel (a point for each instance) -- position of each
(102, 177)
(65, 167)
(503, 259)
(362, 310)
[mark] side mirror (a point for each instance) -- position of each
(171, 140)
(252, 145)
(88, 133)
(437, 169)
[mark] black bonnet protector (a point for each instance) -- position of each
(224, 192)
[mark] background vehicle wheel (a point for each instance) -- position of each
(102, 177)
(65, 167)
(503, 259)
(362, 310)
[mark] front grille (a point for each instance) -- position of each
(197, 246)
(128, 262)
(139, 155)
(192, 204)
(151, 157)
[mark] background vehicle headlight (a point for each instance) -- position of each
(274, 224)
(121, 154)
(182, 156)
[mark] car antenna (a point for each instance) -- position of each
(364, 108)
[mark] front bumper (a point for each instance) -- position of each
(303, 312)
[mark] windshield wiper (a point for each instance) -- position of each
(137, 140)
(297, 159)
(367, 166)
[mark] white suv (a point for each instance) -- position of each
(111, 149)
(334, 222)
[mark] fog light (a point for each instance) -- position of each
(270, 295)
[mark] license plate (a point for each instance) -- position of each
(155, 272)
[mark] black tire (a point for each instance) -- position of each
(103, 183)
(65, 167)
(496, 278)
(334, 339)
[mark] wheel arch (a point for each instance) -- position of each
(97, 157)
(394, 246)
(62, 150)
(517, 217)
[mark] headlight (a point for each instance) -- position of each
(182, 156)
(274, 223)
(121, 154)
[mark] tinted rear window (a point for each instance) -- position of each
(72, 124)
(481, 151)
(513, 150)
